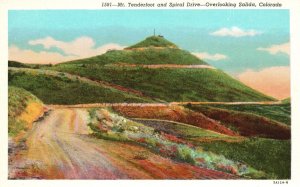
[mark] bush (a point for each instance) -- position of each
(186, 154)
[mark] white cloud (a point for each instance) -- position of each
(81, 47)
(273, 81)
(235, 32)
(43, 57)
(274, 49)
(208, 56)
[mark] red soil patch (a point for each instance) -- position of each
(174, 113)
(138, 162)
(250, 125)
(186, 171)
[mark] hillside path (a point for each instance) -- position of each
(170, 66)
(96, 105)
(59, 147)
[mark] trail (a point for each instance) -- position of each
(56, 143)
(60, 147)
(152, 47)
(170, 66)
(96, 105)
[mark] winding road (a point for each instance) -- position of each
(96, 105)
(60, 147)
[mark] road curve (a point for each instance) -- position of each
(59, 147)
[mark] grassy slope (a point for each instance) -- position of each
(146, 56)
(18, 100)
(270, 156)
(280, 113)
(61, 90)
(171, 84)
(154, 41)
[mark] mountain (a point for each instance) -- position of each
(152, 50)
(160, 70)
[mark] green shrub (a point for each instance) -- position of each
(186, 154)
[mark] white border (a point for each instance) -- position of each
(5, 5)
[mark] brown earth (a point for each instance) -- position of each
(174, 113)
(60, 147)
(249, 124)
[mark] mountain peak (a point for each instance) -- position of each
(153, 41)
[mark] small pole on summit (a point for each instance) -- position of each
(154, 32)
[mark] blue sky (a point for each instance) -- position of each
(198, 31)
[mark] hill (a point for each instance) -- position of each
(171, 84)
(166, 83)
(58, 88)
(16, 64)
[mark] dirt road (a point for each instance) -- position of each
(159, 66)
(95, 105)
(60, 147)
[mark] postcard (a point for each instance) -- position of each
(134, 92)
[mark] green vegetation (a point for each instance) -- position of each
(153, 41)
(286, 101)
(16, 64)
(107, 125)
(271, 156)
(18, 100)
(164, 84)
(62, 90)
(150, 55)
(280, 113)
(146, 56)
(23, 65)
(171, 84)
